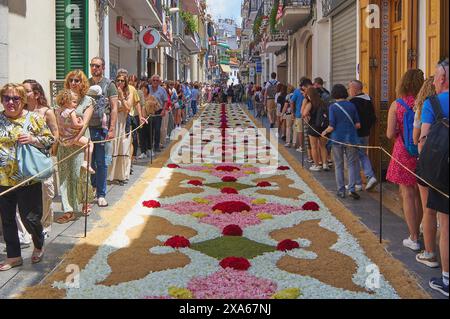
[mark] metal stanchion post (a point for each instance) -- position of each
(302, 143)
(381, 196)
(151, 139)
(86, 203)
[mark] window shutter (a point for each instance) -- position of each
(71, 43)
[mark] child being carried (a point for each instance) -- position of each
(70, 125)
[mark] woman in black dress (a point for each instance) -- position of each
(316, 115)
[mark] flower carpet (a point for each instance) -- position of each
(230, 229)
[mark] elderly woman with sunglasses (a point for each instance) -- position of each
(28, 197)
(72, 183)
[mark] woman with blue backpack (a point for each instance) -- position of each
(405, 153)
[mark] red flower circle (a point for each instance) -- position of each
(177, 242)
(264, 184)
(195, 183)
(229, 190)
(287, 245)
(236, 263)
(229, 179)
(173, 166)
(227, 168)
(232, 207)
(283, 168)
(313, 206)
(232, 230)
(151, 204)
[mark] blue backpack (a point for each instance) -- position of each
(408, 127)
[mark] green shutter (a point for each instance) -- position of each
(71, 44)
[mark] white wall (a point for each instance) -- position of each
(3, 42)
(94, 31)
(31, 41)
(321, 52)
(422, 45)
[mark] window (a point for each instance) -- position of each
(71, 36)
(398, 11)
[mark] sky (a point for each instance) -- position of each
(225, 9)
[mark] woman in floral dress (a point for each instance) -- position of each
(72, 181)
(407, 90)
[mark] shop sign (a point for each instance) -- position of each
(149, 38)
(123, 30)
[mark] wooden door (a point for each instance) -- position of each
(397, 55)
(309, 58)
(437, 33)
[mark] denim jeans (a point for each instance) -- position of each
(250, 103)
(365, 161)
(99, 163)
(194, 107)
(156, 132)
(351, 154)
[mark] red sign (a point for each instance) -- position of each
(123, 30)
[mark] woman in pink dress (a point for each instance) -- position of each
(407, 90)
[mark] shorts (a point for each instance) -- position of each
(298, 125)
(437, 202)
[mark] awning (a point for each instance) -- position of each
(225, 68)
(223, 45)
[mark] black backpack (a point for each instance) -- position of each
(101, 107)
(434, 158)
(322, 120)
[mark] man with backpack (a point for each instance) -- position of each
(366, 112)
(108, 106)
(269, 98)
(434, 163)
(323, 92)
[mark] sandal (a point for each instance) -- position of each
(67, 217)
(8, 266)
(37, 257)
(87, 210)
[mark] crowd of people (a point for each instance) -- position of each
(334, 128)
(97, 121)
(100, 126)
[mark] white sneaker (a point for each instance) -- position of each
(315, 168)
(150, 154)
(411, 244)
(287, 145)
(300, 149)
(326, 168)
(142, 156)
(371, 183)
(429, 260)
(358, 188)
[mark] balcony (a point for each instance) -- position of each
(276, 41)
(295, 14)
(144, 12)
(328, 6)
(192, 42)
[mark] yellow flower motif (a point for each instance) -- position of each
(180, 293)
(259, 201)
(264, 216)
(199, 215)
(208, 165)
(289, 293)
(249, 172)
(206, 171)
(201, 200)
(247, 166)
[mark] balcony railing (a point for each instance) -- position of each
(297, 3)
(277, 36)
(328, 6)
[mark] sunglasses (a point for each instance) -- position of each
(15, 99)
(120, 81)
(96, 65)
(76, 81)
